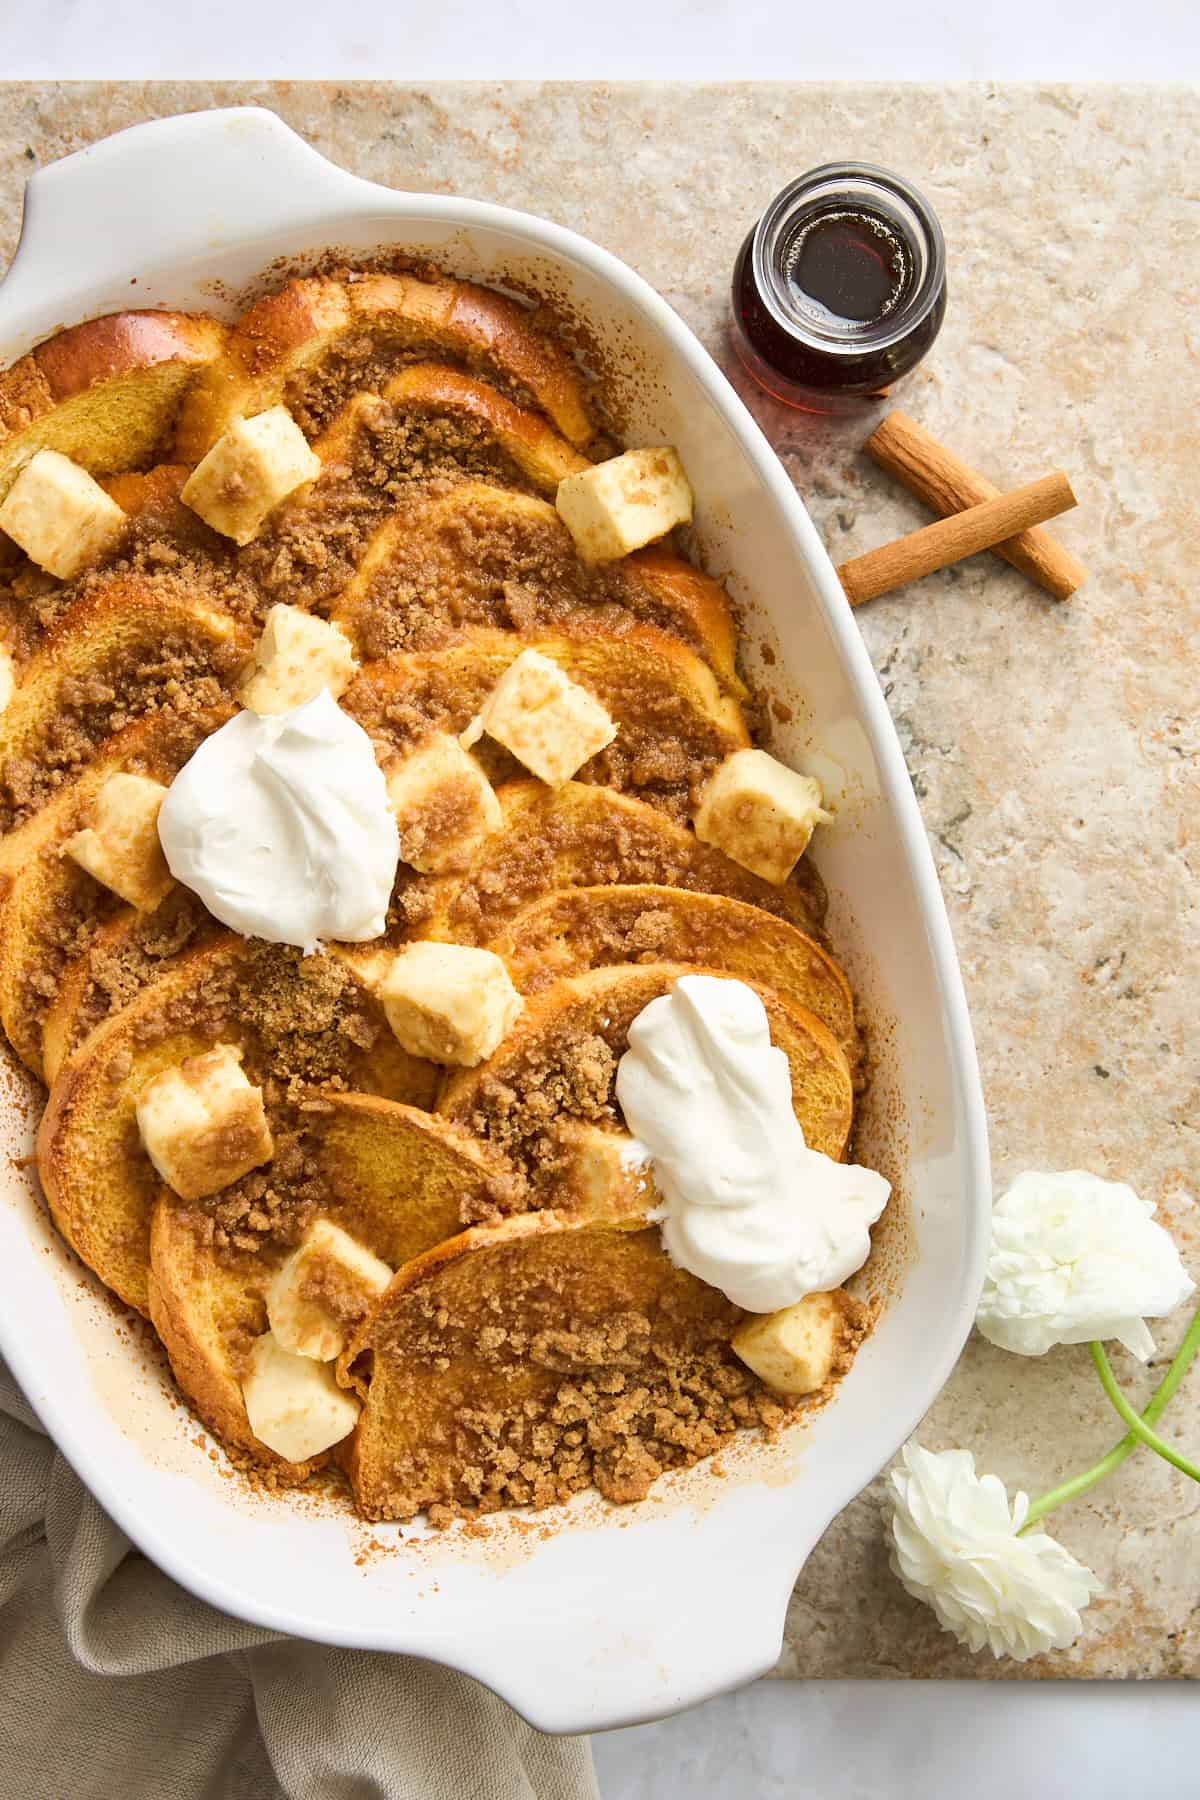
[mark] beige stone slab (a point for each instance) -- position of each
(1055, 749)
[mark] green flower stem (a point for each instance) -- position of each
(1137, 1425)
(1079, 1484)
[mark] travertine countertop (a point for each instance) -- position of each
(1055, 750)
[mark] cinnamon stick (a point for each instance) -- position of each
(904, 449)
(936, 546)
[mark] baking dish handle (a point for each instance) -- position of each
(171, 193)
(660, 1623)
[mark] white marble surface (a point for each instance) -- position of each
(684, 40)
(938, 1740)
(836, 1740)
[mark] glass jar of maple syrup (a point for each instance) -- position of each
(840, 288)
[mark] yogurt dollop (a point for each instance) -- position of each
(281, 825)
(748, 1207)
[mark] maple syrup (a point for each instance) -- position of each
(840, 289)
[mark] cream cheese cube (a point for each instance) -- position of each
(544, 719)
(296, 656)
(794, 1350)
(59, 516)
(317, 1297)
(8, 678)
(254, 464)
(625, 503)
(203, 1124)
(293, 1404)
(445, 806)
(760, 813)
(608, 1175)
(120, 847)
(449, 1002)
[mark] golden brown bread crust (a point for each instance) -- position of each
(200, 1317)
(477, 554)
(291, 332)
(127, 646)
(559, 1061)
(298, 1019)
(88, 363)
(519, 1363)
(393, 1177)
(121, 956)
(686, 591)
(539, 451)
(534, 446)
(575, 929)
(581, 836)
(436, 408)
(431, 425)
(674, 725)
(50, 909)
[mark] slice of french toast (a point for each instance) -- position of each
(536, 1338)
(50, 907)
(477, 554)
(128, 646)
(674, 725)
(316, 340)
(390, 1176)
(520, 1363)
(581, 836)
(298, 1020)
(105, 393)
(120, 957)
(573, 836)
(430, 424)
(576, 929)
(559, 1061)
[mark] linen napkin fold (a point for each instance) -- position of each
(115, 1682)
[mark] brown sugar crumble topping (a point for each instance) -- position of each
(623, 1371)
(553, 1353)
(312, 549)
(270, 1206)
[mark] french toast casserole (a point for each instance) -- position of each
(398, 910)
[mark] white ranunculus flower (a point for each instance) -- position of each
(1075, 1258)
(954, 1545)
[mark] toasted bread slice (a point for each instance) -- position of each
(560, 1061)
(674, 725)
(297, 1019)
(317, 340)
(105, 393)
(682, 591)
(580, 836)
(123, 953)
(159, 518)
(431, 424)
(125, 648)
(153, 513)
(576, 929)
(519, 1363)
(477, 554)
(207, 1319)
(51, 908)
(391, 1176)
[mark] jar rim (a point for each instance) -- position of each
(768, 276)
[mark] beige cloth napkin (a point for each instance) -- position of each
(117, 1685)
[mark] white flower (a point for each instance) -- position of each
(1075, 1258)
(955, 1546)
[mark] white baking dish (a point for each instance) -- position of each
(599, 1616)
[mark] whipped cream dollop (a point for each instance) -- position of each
(281, 825)
(748, 1207)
